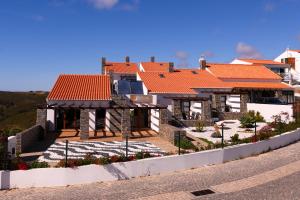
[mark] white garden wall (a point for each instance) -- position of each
(50, 177)
(268, 110)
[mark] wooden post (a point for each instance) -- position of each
(65, 119)
(74, 118)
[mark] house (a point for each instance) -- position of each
(129, 96)
(280, 68)
(291, 57)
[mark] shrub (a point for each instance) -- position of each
(256, 115)
(185, 144)
(216, 134)
(248, 120)
(104, 161)
(37, 164)
(235, 139)
(200, 126)
(265, 133)
(280, 121)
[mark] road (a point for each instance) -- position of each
(273, 175)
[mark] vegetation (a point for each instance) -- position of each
(248, 120)
(18, 110)
(185, 144)
(200, 126)
(216, 134)
(90, 159)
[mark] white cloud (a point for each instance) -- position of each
(247, 51)
(103, 4)
(133, 5)
(269, 7)
(182, 56)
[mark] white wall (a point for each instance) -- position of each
(92, 120)
(237, 61)
(52, 177)
(234, 101)
(12, 142)
(155, 120)
(196, 107)
(51, 119)
(268, 110)
(295, 73)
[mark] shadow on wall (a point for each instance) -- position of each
(114, 171)
(5, 180)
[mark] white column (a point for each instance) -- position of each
(51, 119)
(92, 120)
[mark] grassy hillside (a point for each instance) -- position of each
(18, 109)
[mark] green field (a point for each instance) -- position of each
(18, 109)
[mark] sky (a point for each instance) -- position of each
(40, 39)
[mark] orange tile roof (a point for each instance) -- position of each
(266, 62)
(156, 66)
(259, 85)
(295, 50)
(180, 81)
(81, 87)
(121, 67)
(240, 71)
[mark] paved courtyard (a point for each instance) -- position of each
(231, 127)
(76, 150)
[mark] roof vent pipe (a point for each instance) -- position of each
(202, 63)
(152, 59)
(103, 63)
(171, 67)
(127, 59)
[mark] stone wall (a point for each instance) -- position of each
(41, 118)
(84, 123)
(230, 115)
(216, 101)
(177, 109)
(206, 112)
(163, 116)
(168, 132)
(244, 101)
(125, 122)
(28, 137)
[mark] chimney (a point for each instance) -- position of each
(202, 63)
(152, 59)
(171, 67)
(127, 59)
(103, 63)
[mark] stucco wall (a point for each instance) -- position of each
(268, 110)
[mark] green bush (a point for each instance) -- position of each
(216, 134)
(200, 126)
(248, 120)
(37, 164)
(235, 139)
(185, 144)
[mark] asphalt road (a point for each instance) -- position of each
(179, 185)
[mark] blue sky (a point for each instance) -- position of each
(40, 39)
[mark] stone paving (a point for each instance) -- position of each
(182, 183)
(231, 127)
(77, 150)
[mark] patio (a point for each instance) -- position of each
(77, 150)
(231, 127)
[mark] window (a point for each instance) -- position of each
(185, 109)
(223, 103)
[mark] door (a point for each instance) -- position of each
(100, 119)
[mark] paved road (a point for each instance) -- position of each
(273, 175)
